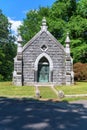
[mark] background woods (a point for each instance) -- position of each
(7, 49)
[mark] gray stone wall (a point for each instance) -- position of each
(17, 74)
(54, 50)
(43, 44)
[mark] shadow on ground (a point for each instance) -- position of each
(28, 114)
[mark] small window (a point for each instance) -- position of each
(43, 47)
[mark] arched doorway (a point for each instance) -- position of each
(43, 70)
(43, 62)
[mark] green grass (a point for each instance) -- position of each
(74, 99)
(46, 92)
(79, 88)
(8, 90)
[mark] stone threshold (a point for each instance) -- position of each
(44, 84)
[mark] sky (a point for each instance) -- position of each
(16, 10)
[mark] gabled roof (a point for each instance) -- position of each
(43, 29)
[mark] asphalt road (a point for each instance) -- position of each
(24, 114)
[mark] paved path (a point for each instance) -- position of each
(24, 114)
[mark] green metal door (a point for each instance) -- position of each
(43, 73)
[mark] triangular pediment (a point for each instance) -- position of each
(38, 35)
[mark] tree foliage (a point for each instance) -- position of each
(82, 8)
(7, 49)
(63, 9)
(31, 25)
(62, 17)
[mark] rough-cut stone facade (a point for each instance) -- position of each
(44, 48)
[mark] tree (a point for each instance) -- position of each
(77, 27)
(63, 9)
(7, 48)
(57, 27)
(82, 8)
(32, 22)
(1, 62)
(62, 17)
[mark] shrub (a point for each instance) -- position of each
(80, 71)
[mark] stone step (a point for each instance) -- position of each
(44, 84)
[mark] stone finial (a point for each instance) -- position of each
(44, 21)
(67, 38)
(67, 49)
(44, 27)
(19, 40)
(19, 49)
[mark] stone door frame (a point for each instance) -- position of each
(50, 67)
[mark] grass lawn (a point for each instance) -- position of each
(47, 92)
(8, 90)
(73, 99)
(79, 88)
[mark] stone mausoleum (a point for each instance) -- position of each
(43, 60)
